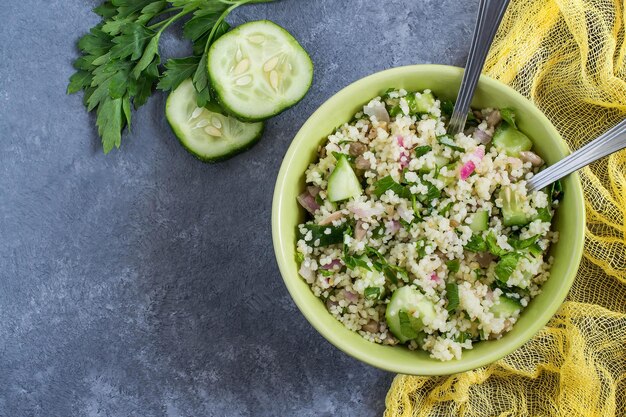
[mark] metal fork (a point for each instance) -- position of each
(490, 14)
(611, 141)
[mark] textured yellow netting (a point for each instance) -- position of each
(568, 57)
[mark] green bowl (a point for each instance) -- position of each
(444, 82)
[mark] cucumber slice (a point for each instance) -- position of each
(258, 70)
(420, 102)
(480, 221)
(207, 134)
(508, 139)
(439, 162)
(505, 307)
(512, 213)
(343, 182)
(406, 301)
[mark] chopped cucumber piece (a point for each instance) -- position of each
(259, 70)
(505, 307)
(420, 102)
(480, 221)
(404, 303)
(207, 133)
(439, 162)
(512, 213)
(448, 140)
(510, 140)
(343, 182)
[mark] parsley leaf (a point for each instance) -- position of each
(448, 140)
(327, 235)
(452, 293)
(523, 243)
(406, 325)
(391, 272)
(109, 122)
(506, 265)
(421, 150)
(476, 244)
(447, 107)
(177, 70)
(453, 266)
(299, 257)
(372, 293)
(556, 191)
(492, 245)
(203, 20)
(420, 246)
(353, 262)
(508, 115)
(388, 183)
(432, 192)
(544, 214)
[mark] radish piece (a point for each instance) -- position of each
(332, 264)
(466, 170)
(307, 201)
(470, 166)
(393, 226)
(404, 155)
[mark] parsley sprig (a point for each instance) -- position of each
(120, 62)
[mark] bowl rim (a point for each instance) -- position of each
(362, 354)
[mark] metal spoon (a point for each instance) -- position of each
(490, 14)
(611, 141)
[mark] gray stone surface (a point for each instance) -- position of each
(143, 283)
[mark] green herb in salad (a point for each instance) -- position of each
(508, 115)
(476, 244)
(388, 183)
(452, 293)
(372, 293)
(506, 266)
(323, 235)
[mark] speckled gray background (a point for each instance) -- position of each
(143, 283)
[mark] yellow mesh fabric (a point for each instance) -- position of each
(569, 58)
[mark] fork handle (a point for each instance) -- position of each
(490, 13)
(611, 141)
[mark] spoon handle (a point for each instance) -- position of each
(611, 141)
(490, 14)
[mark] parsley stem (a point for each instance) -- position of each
(165, 23)
(166, 11)
(218, 23)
